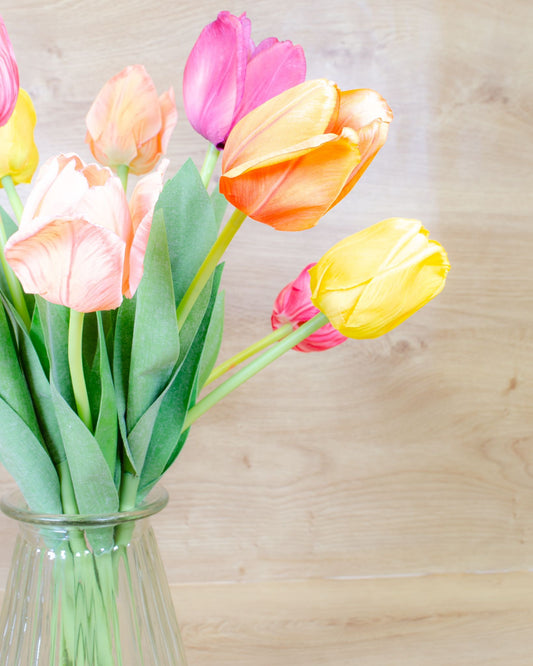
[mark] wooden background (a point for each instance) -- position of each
(371, 505)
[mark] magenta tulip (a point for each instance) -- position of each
(293, 306)
(226, 75)
(9, 76)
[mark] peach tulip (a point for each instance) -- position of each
(372, 281)
(19, 156)
(9, 76)
(128, 124)
(226, 75)
(293, 306)
(79, 243)
(294, 157)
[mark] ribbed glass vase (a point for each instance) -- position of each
(88, 591)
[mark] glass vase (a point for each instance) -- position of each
(88, 591)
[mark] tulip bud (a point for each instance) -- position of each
(226, 75)
(293, 306)
(18, 153)
(129, 124)
(372, 281)
(294, 157)
(9, 76)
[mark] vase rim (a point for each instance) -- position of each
(14, 506)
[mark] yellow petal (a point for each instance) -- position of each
(18, 153)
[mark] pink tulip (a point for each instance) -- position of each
(226, 75)
(129, 124)
(9, 76)
(293, 306)
(79, 243)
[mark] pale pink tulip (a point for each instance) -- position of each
(226, 75)
(129, 124)
(293, 306)
(79, 243)
(9, 76)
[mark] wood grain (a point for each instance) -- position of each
(400, 467)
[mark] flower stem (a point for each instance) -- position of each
(253, 368)
(208, 166)
(12, 195)
(75, 361)
(210, 262)
(15, 289)
(123, 172)
(245, 354)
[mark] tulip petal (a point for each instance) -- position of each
(274, 67)
(213, 79)
(18, 153)
(294, 195)
(289, 119)
(9, 76)
(70, 262)
(124, 114)
(106, 206)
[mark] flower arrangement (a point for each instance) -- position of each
(95, 401)
(91, 421)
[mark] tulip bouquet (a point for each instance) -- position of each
(95, 401)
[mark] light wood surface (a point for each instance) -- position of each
(371, 505)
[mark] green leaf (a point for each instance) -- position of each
(181, 392)
(213, 340)
(190, 222)
(220, 204)
(93, 482)
(25, 459)
(9, 225)
(106, 431)
(155, 344)
(13, 387)
(55, 323)
(39, 387)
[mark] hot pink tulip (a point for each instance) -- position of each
(226, 75)
(79, 243)
(293, 306)
(9, 76)
(128, 123)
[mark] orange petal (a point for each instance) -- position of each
(289, 119)
(69, 262)
(294, 195)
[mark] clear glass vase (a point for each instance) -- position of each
(88, 591)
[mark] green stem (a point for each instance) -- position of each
(15, 289)
(75, 361)
(12, 195)
(68, 497)
(208, 166)
(210, 262)
(253, 368)
(245, 354)
(122, 172)
(128, 491)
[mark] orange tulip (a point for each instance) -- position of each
(293, 158)
(79, 243)
(129, 124)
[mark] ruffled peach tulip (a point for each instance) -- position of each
(293, 306)
(372, 281)
(129, 124)
(9, 76)
(19, 156)
(293, 158)
(226, 75)
(79, 243)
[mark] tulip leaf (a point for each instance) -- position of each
(121, 368)
(220, 204)
(180, 394)
(9, 225)
(191, 224)
(26, 460)
(92, 479)
(213, 340)
(155, 343)
(55, 324)
(13, 387)
(106, 426)
(39, 388)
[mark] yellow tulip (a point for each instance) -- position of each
(372, 281)
(18, 153)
